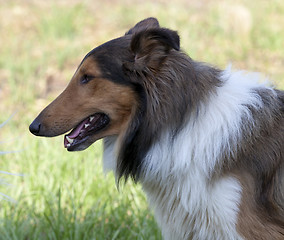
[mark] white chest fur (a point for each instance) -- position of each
(176, 172)
(193, 208)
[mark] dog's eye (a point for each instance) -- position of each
(85, 79)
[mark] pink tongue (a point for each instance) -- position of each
(75, 132)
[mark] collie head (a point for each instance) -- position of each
(132, 88)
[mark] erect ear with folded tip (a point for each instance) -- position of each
(144, 25)
(151, 47)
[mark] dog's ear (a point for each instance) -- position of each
(151, 47)
(143, 25)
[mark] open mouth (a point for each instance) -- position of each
(85, 129)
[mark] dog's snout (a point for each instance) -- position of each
(35, 127)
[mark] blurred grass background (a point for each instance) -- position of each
(65, 195)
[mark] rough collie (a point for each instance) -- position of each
(206, 144)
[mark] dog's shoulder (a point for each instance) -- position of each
(280, 95)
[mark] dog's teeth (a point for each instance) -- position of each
(87, 125)
(68, 145)
(70, 140)
(91, 118)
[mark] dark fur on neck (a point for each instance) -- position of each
(170, 85)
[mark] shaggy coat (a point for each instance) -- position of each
(206, 144)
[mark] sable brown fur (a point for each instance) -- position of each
(261, 172)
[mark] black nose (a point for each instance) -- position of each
(35, 127)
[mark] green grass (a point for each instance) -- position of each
(66, 195)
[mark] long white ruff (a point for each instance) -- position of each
(177, 173)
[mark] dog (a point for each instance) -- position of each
(206, 144)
